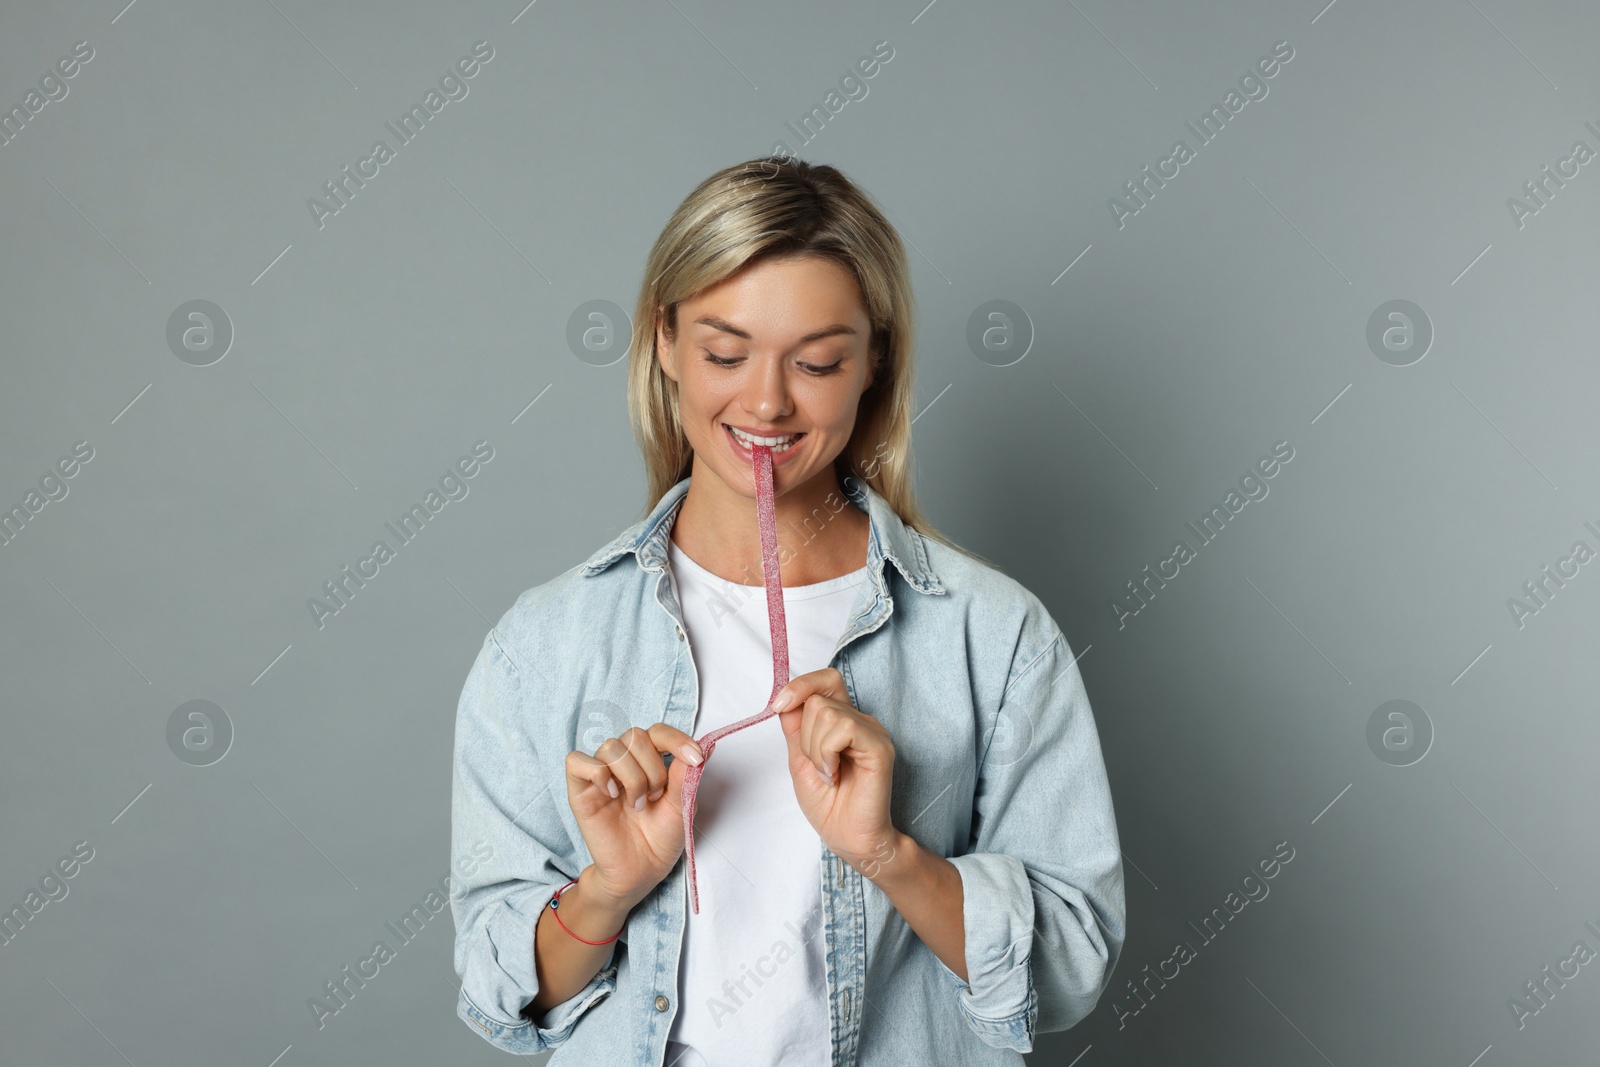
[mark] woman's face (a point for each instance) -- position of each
(777, 350)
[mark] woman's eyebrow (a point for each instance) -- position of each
(816, 335)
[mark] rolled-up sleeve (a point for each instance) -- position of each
(510, 854)
(1042, 885)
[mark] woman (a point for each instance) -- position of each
(937, 876)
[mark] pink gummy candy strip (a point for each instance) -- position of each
(761, 459)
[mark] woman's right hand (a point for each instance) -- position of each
(633, 847)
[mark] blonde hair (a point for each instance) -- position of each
(775, 207)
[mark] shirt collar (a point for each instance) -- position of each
(890, 538)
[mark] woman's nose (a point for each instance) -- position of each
(767, 397)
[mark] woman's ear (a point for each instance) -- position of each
(665, 354)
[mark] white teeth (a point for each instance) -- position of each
(777, 444)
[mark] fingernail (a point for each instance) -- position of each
(611, 787)
(783, 701)
(825, 775)
(638, 805)
(691, 752)
(656, 795)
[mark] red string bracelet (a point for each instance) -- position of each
(557, 912)
(766, 516)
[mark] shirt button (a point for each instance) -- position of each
(680, 633)
(661, 1002)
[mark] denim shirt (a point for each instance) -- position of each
(997, 768)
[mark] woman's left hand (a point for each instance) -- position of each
(842, 763)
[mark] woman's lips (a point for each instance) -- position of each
(744, 453)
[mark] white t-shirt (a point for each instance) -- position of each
(751, 978)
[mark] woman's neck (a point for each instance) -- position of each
(821, 533)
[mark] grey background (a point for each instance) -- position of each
(1229, 314)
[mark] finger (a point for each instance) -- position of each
(808, 723)
(844, 729)
(643, 749)
(844, 733)
(826, 682)
(820, 715)
(620, 761)
(790, 721)
(794, 722)
(584, 771)
(679, 744)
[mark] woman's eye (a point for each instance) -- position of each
(810, 368)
